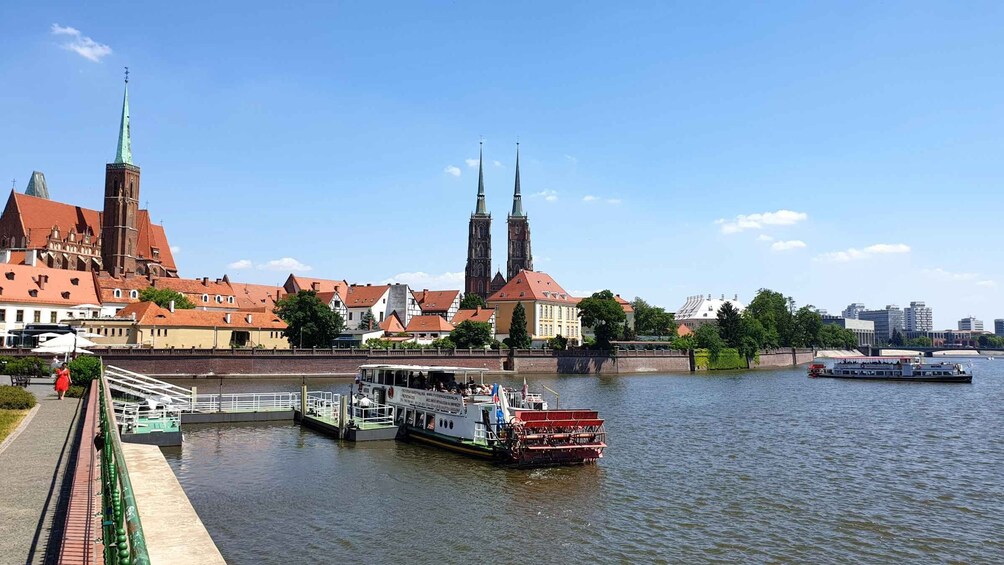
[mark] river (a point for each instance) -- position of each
(752, 466)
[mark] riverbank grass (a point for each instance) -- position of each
(9, 419)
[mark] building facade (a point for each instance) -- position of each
(864, 330)
(40, 295)
(999, 327)
(550, 310)
(918, 317)
(699, 310)
(970, 324)
(886, 321)
(478, 272)
(852, 310)
(520, 257)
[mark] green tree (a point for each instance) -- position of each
(472, 335)
(84, 369)
(558, 342)
(707, 337)
(805, 332)
(443, 343)
(628, 333)
(652, 320)
(924, 341)
(754, 336)
(309, 322)
(472, 301)
(684, 342)
(730, 325)
(832, 336)
(897, 338)
(367, 321)
(602, 313)
(518, 338)
(163, 296)
(774, 312)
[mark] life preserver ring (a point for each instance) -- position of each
(390, 392)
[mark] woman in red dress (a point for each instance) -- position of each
(62, 380)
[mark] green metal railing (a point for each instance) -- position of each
(122, 532)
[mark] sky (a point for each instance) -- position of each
(837, 152)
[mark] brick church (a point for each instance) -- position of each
(120, 239)
(478, 277)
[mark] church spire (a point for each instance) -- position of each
(124, 152)
(517, 199)
(482, 210)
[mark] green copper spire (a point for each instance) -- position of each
(124, 152)
(517, 199)
(481, 210)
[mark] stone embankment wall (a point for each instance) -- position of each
(345, 362)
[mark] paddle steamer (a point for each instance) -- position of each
(452, 408)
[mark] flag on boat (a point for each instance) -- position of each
(525, 391)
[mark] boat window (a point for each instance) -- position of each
(400, 378)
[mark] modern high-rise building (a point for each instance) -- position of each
(970, 324)
(999, 327)
(852, 311)
(886, 321)
(918, 317)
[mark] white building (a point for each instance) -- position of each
(970, 324)
(700, 309)
(918, 317)
(40, 295)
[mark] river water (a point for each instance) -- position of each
(758, 466)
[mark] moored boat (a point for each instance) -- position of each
(452, 408)
(912, 368)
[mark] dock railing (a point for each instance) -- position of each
(324, 405)
(373, 415)
(122, 531)
(246, 402)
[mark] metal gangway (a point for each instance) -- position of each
(148, 388)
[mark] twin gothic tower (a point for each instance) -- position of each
(478, 275)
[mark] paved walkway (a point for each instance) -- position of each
(31, 480)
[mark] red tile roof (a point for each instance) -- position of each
(261, 297)
(532, 285)
(392, 324)
(478, 315)
(429, 324)
(625, 305)
(297, 283)
(436, 300)
(42, 285)
(148, 314)
(193, 289)
(359, 296)
(683, 330)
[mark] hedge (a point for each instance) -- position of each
(728, 359)
(16, 398)
(25, 366)
(84, 369)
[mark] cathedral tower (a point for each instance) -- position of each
(478, 275)
(119, 234)
(520, 257)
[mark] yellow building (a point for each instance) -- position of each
(550, 310)
(147, 325)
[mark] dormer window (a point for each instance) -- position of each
(133, 294)
(66, 295)
(75, 281)
(219, 299)
(33, 293)
(230, 300)
(10, 275)
(117, 293)
(205, 298)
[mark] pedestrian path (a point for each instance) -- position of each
(32, 471)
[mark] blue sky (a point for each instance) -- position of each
(838, 152)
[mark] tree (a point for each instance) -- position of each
(924, 341)
(754, 336)
(163, 296)
(707, 337)
(832, 336)
(684, 342)
(652, 320)
(808, 323)
(472, 301)
(604, 314)
(897, 338)
(309, 322)
(367, 321)
(472, 335)
(443, 343)
(730, 325)
(558, 342)
(773, 311)
(628, 333)
(518, 338)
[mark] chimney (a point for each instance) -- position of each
(205, 281)
(171, 306)
(227, 317)
(249, 318)
(315, 286)
(42, 279)
(29, 257)
(736, 298)
(5, 256)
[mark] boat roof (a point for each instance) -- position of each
(426, 368)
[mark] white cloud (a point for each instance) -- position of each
(986, 283)
(175, 249)
(452, 170)
(497, 163)
(419, 280)
(942, 274)
(472, 163)
(589, 198)
(787, 245)
(240, 264)
(284, 264)
(549, 195)
(758, 221)
(853, 254)
(613, 201)
(764, 237)
(81, 44)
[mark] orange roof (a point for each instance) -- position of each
(193, 289)
(39, 215)
(625, 305)
(429, 324)
(42, 285)
(683, 330)
(478, 315)
(392, 324)
(149, 314)
(257, 296)
(436, 300)
(358, 296)
(532, 285)
(296, 283)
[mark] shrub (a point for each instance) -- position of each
(558, 342)
(443, 343)
(76, 391)
(28, 367)
(16, 398)
(84, 369)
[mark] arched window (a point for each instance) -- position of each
(133, 294)
(117, 293)
(205, 298)
(230, 299)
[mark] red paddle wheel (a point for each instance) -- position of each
(540, 438)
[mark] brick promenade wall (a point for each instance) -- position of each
(786, 357)
(588, 362)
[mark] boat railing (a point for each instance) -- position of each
(375, 414)
(323, 404)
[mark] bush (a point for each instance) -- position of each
(558, 342)
(443, 343)
(84, 369)
(76, 391)
(16, 398)
(28, 367)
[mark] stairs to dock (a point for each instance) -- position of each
(148, 388)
